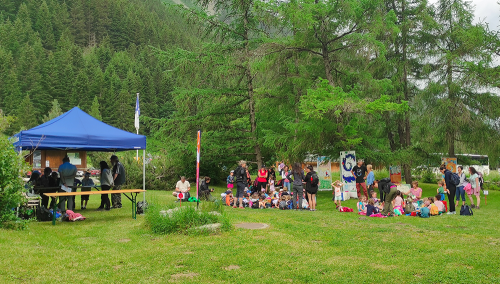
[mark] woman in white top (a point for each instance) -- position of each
(476, 187)
(460, 187)
(106, 183)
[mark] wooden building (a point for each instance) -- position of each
(40, 159)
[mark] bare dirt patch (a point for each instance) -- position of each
(252, 226)
(124, 240)
(183, 275)
(232, 267)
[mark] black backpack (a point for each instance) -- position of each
(455, 179)
(43, 214)
(314, 179)
(384, 185)
(141, 207)
(466, 210)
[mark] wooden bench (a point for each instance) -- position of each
(133, 198)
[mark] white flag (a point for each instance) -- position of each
(137, 113)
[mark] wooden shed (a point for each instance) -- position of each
(40, 159)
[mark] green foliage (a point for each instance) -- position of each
(184, 220)
(11, 184)
(54, 112)
(95, 110)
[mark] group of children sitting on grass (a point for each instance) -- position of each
(262, 200)
(413, 205)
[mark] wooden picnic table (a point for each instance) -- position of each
(133, 198)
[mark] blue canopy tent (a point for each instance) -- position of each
(77, 130)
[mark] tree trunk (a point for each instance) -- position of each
(328, 66)
(450, 129)
(406, 125)
(251, 98)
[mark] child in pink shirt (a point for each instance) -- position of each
(439, 204)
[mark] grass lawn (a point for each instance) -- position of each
(299, 247)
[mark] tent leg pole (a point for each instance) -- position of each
(143, 176)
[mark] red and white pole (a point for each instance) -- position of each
(198, 146)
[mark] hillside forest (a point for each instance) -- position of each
(398, 81)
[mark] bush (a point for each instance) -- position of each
(184, 219)
(11, 183)
(381, 174)
(493, 176)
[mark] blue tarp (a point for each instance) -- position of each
(77, 130)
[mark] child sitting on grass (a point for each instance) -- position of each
(398, 203)
(424, 211)
(441, 190)
(439, 204)
(362, 205)
(377, 201)
(433, 209)
(371, 209)
(262, 201)
(337, 192)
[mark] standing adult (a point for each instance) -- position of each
(390, 190)
(461, 185)
(182, 186)
(449, 185)
(48, 181)
(311, 187)
(106, 183)
(67, 173)
(298, 186)
(119, 179)
(286, 182)
(370, 178)
(241, 183)
(262, 176)
(359, 171)
(476, 187)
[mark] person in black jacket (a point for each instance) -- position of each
(390, 191)
(240, 175)
(311, 188)
(204, 193)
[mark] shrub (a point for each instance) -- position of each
(381, 174)
(11, 183)
(184, 219)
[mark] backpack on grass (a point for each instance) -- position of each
(43, 214)
(466, 210)
(424, 212)
(283, 205)
(409, 207)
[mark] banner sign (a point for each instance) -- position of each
(395, 173)
(324, 171)
(348, 160)
(450, 163)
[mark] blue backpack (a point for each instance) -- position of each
(424, 212)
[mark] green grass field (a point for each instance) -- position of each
(299, 247)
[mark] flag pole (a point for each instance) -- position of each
(198, 169)
(136, 122)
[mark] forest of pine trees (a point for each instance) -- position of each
(95, 54)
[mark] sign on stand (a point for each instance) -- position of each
(348, 160)
(395, 173)
(324, 171)
(450, 163)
